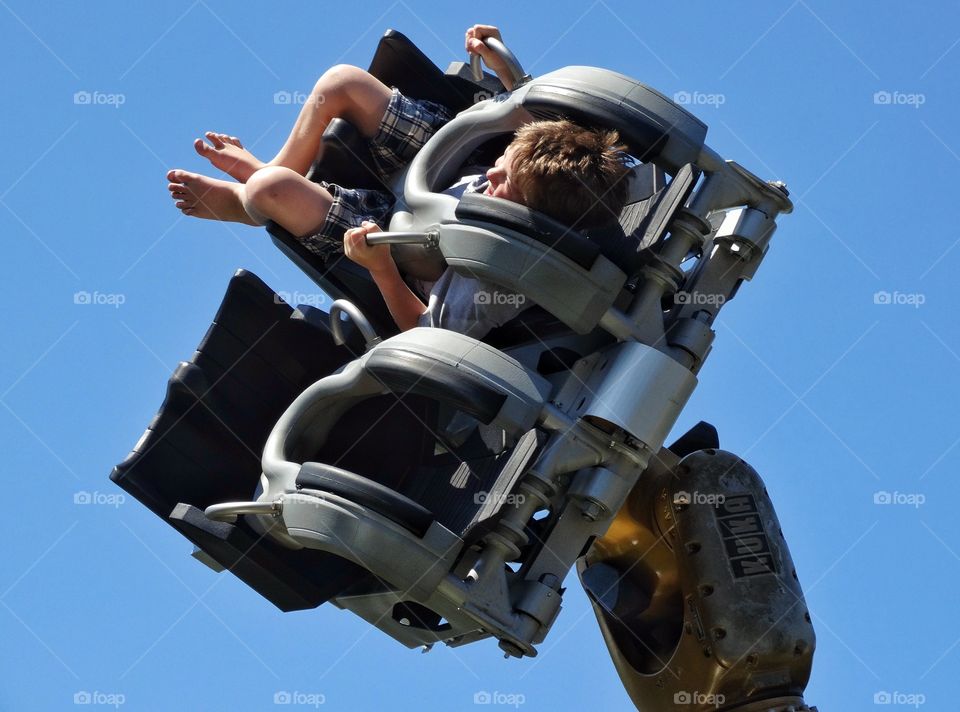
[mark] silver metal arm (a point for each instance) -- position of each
(228, 511)
(429, 238)
(517, 75)
(370, 336)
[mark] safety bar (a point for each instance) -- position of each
(340, 306)
(430, 238)
(228, 511)
(517, 74)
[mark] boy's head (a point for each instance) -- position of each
(573, 174)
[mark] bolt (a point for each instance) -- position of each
(592, 511)
(510, 650)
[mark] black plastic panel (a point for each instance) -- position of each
(398, 62)
(291, 580)
(702, 436)
(203, 446)
(674, 198)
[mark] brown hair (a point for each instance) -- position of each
(573, 174)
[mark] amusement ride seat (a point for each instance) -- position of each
(439, 486)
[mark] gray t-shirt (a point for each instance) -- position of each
(465, 304)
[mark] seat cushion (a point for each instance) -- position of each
(382, 500)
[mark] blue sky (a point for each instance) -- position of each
(831, 390)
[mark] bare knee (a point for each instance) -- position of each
(266, 188)
(352, 93)
(287, 198)
(340, 73)
(337, 83)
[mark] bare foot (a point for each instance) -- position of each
(209, 198)
(229, 155)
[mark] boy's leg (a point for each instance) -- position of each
(288, 199)
(317, 214)
(200, 196)
(276, 194)
(342, 92)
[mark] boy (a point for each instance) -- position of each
(571, 173)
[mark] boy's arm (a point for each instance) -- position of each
(475, 45)
(405, 307)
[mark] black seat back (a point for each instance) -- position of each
(203, 446)
(399, 63)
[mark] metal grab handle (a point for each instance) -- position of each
(228, 511)
(336, 326)
(513, 64)
(431, 238)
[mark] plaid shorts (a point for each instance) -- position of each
(406, 126)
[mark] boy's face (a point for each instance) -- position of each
(499, 178)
